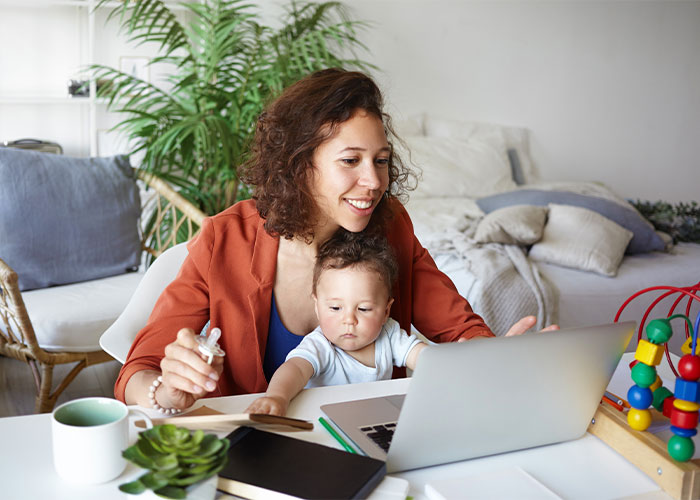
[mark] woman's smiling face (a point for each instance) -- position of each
(350, 175)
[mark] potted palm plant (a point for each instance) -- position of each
(194, 128)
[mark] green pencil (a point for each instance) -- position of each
(337, 436)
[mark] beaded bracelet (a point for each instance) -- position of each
(154, 403)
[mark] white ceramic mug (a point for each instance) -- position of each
(89, 436)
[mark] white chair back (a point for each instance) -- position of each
(117, 339)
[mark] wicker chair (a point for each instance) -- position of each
(17, 335)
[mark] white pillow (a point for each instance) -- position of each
(517, 138)
(458, 168)
(513, 225)
(580, 238)
(412, 125)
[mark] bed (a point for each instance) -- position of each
(515, 244)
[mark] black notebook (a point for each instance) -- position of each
(267, 465)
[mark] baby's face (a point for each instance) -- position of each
(352, 304)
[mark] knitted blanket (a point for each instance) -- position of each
(510, 286)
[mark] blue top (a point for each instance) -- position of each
(279, 342)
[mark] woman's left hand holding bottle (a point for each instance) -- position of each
(186, 374)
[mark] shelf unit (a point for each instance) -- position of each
(80, 37)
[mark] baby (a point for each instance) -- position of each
(355, 341)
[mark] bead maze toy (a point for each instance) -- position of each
(669, 464)
(682, 406)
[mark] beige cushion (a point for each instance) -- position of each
(72, 317)
(514, 225)
(580, 238)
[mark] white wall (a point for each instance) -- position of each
(610, 89)
(42, 46)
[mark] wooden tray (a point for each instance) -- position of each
(681, 480)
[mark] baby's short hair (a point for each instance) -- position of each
(347, 249)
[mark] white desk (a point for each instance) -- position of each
(585, 468)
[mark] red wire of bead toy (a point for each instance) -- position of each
(687, 291)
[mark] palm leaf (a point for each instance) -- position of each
(227, 65)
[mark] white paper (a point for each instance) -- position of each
(511, 482)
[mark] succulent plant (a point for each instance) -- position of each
(175, 458)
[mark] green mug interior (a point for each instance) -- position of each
(90, 412)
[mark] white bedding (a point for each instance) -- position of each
(445, 230)
(440, 206)
(585, 298)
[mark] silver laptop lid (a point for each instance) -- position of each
(488, 396)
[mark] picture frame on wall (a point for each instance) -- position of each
(136, 66)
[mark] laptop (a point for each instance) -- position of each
(488, 396)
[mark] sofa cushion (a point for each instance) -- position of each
(64, 220)
(72, 317)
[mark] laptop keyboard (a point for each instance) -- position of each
(381, 434)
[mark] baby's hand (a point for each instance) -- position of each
(270, 405)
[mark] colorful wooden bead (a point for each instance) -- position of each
(687, 345)
(689, 367)
(686, 433)
(659, 331)
(667, 407)
(681, 448)
(657, 383)
(684, 419)
(639, 397)
(643, 374)
(684, 405)
(639, 420)
(688, 390)
(659, 397)
(648, 353)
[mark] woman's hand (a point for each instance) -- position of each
(521, 326)
(525, 324)
(271, 405)
(186, 374)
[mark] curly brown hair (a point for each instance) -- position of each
(288, 132)
(365, 250)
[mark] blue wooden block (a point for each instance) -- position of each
(687, 390)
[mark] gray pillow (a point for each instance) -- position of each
(516, 168)
(64, 220)
(644, 240)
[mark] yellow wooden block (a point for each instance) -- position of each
(685, 348)
(648, 353)
(684, 405)
(657, 383)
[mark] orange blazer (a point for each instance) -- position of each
(228, 278)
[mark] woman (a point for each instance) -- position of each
(320, 161)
